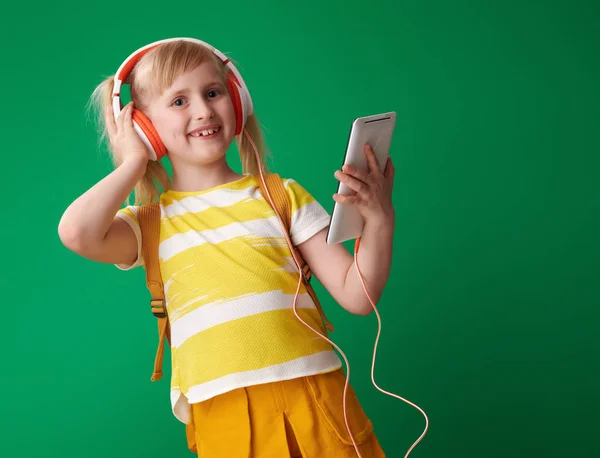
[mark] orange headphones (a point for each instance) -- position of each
(240, 96)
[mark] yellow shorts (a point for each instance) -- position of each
(302, 417)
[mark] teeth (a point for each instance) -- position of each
(204, 133)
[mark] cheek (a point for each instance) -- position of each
(168, 128)
(230, 114)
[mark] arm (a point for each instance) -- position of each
(88, 226)
(333, 265)
(374, 260)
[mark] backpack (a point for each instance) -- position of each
(149, 220)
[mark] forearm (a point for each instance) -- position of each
(90, 216)
(374, 259)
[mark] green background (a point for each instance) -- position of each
(490, 317)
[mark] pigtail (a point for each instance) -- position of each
(147, 189)
(246, 151)
(99, 101)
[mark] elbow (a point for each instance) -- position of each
(361, 307)
(365, 310)
(70, 236)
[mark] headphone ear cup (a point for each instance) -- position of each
(143, 126)
(237, 103)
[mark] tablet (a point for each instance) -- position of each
(346, 221)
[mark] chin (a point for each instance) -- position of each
(203, 157)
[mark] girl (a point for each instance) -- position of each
(250, 376)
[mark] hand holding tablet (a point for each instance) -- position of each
(346, 221)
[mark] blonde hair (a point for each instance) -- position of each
(154, 73)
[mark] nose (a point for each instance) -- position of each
(202, 109)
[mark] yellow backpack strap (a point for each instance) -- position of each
(149, 219)
(284, 207)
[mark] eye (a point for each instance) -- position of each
(180, 99)
(213, 93)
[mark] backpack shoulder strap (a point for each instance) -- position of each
(284, 208)
(280, 196)
(149, 219)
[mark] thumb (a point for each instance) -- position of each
(390, 171)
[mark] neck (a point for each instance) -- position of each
(190, 178)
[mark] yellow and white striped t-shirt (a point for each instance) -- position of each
(230, 282)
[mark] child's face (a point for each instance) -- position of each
(196, 99)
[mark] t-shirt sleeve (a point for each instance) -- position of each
(308, 215)
(129, 215)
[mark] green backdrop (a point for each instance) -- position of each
(490, 317)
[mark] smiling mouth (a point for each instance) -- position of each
(205, 133)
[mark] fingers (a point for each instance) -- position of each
(124, 117)
(120, 118)
(127, 124)
(357, 173)
(366, 176)
(350, 181)
(346, 200)
(371, 159)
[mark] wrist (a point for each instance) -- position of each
(136, 165)
(385, 222)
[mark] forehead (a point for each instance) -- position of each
(202, 75)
